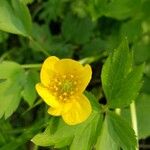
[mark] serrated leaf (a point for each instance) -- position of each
(104, 140)
(121, 132)
(29, 93)
(10, 89)
(15, 19)
(84, 134)
(120, 80)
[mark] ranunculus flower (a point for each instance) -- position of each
(63, 82)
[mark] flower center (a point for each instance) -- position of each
(64, 87)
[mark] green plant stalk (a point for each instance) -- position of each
(27, 66)
(134, 120)
(39, 46)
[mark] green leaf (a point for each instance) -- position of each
(86, 139)
(142, 110)
(78, 31)
(93, 48)
(141, 51)
(19, 141)
(132, 29)
(10, 89)
(146, 85)
(143, 113)
(29, 93)
(104, 140)
(115, 8)
(15, 19)
(122, 9)
(23, 14)
(121, 132)
(120, 80)
(27, 1)
(60, 134)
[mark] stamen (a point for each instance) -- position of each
(71, 92)
(55, 87)
(76, 89)
(71, 76)
(56, 80)
(64, 86)
(60, 97)
(65, 93)
(65, 99)
(64, 76)
(59, 83)
(75, 82)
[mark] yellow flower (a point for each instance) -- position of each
(62, 85)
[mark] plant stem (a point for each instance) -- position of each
(39, 46)
(35, 147)
(27, 66)
(134, 120)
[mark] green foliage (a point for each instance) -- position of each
(82, 27)
(142, 108)
(116, 133)
(29, 94)
(88, 31)
(143, 104)
(15, 83)
(60, 134)
(115, 9)
(15, 17)
(10, 89)
(105, 141)
(120, 80)
(121, 132)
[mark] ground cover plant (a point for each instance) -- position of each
(74, 75)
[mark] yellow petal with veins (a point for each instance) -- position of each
(79, 112)
(47, 96)
(47, 70)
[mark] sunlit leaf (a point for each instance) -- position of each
(15, 17)
(120, 80)
(10, 89)
(29, 93)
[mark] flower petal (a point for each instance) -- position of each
(80, 111)
(82, 73)
(63, 108)
(47, 96)
(85, 78)
(55, 111)
(48, 69)
(68, 66)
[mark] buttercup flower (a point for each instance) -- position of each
(63, 82)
